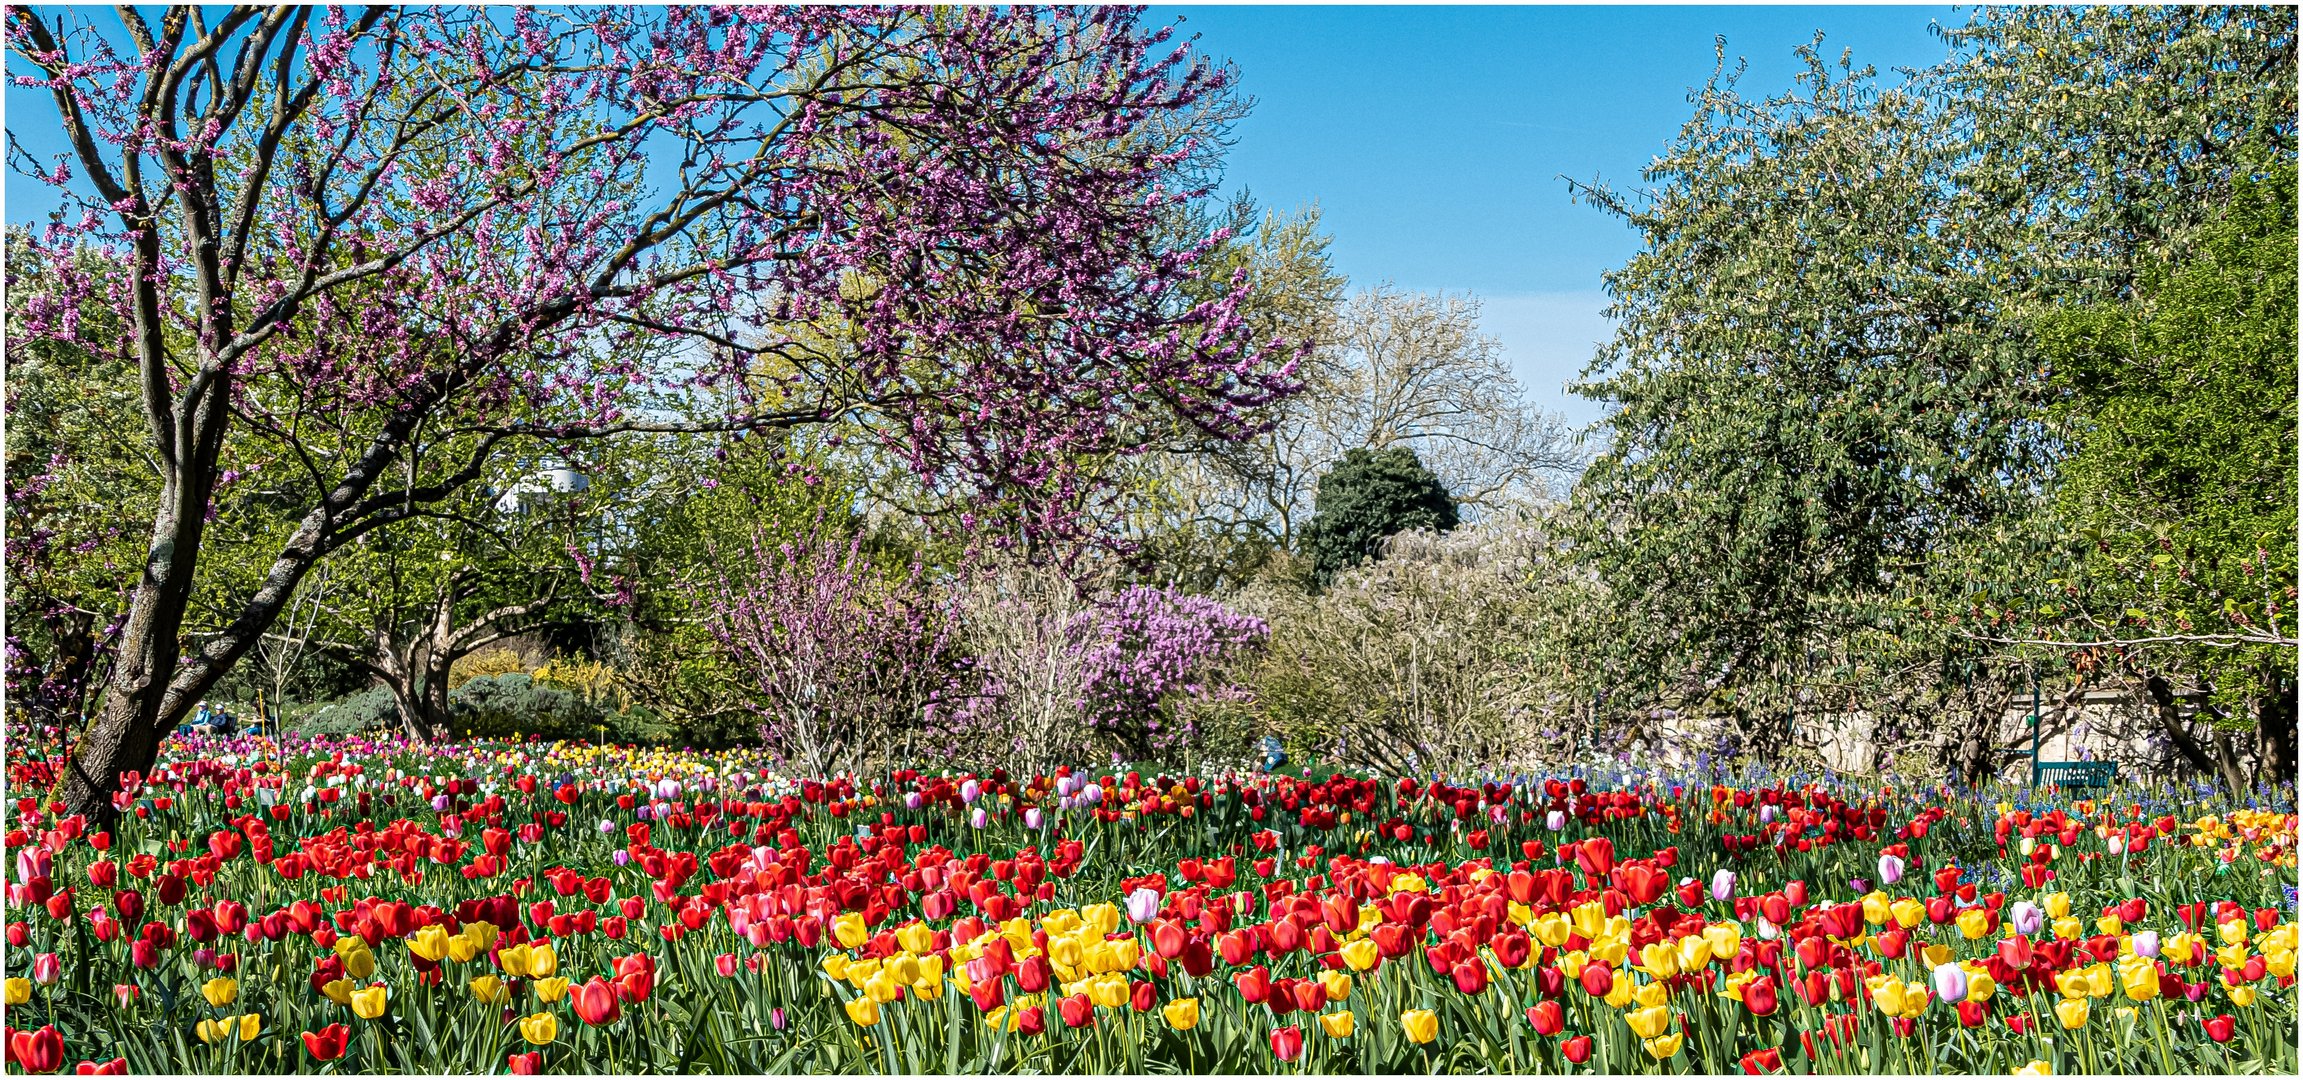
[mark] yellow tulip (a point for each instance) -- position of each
(250, 1025)
(2036, 1068)
(551, 990)
(1694, 952)
(2242, 995)
(2072, 1013)
(1182, 1014)
(1125, 953)
(1067, 951)
(2109, 924)
(1109, 991)
(1660, 960)
(430, 942)
(1974, 923)
(1876, 909)
(1665, 1046)
(1361, 955)
(881, 988)
(359, 963)
(836, 965)
(2067, 928)
(1571, 963)
(463, 947)
(1551, 928)
(1649, 995)
(338, 991)
(490, 989)
(1337, 984)
(1620, 996)
(19, 991)
(1409, 883)
(220, 991)
(2233, 955)
(1590, 920)
(1888, 995)
(849, 931)
(1935, 955)
(1105, 918)
(2233, 932)
(1649, 1022)
(916, 939)
(369, 1004)
(903, 968)
(543, 960)
(1908, 912)
(2139, 979)
(1421, 1025)
(2058, 905)
(1519, 914)
(540, 1029)
(1724, 939)
(1336, 1024)
(863, 1011)
(208, 1030)
(1980, 986)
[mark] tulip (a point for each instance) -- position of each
(220, 991)
(1547, 1017)
(2220, 1028)
(863, 1011)
(328, 1043)
(595, 1002)
(1287, 1043)
(2071, 1013)
(19, 991)
(1577, 1050)
(369, 1004)
(1890, 869)
(1649, 1022)
(1723, 885)
(1661, 1048)
(39, 1051)
(1421, 1025)
(1762, 1062)
(1950, 982)
(490, 989)
(550, 990)
(2026, 917)
(1142, 905)
(2036, 1068)
(1182, 1014)
(528, 1064)
(2146, 943)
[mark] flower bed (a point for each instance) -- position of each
(358, 906)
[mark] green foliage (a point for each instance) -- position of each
(500, 706)
(1368, 496)
(2182, 484)
(369, 710)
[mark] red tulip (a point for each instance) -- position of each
(1971, 1014)
(327, 1044)
(1033, 974)
(1762, 1062)
(1759, 996)
(595, 1002)
(1578, 1049)
(1470, 976)
(114, 1067)
(1287, 1043)
(1547, 1018)
(1254, 984)
(39, 1051)
(528, 1064)
(1597, 978)
(1142, 996)
(2220, 1028)
(1077, 1011)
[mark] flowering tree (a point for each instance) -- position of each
(371, 251)
(845, 657)
(1062, 676)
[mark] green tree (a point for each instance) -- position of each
(2181, 491)
(1367, 497)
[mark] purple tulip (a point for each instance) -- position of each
(1890, 869)
(622, 857)
(1033, 818)
(1723, 885)
(2146, 943)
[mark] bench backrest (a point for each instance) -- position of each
(2075, 774)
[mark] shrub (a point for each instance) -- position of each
(368, 710)
(507, 705)
(1366, 497)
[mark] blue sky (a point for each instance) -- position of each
(1434, 139)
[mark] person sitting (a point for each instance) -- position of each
(1274, 753)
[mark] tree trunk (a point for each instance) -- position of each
(2223, 764)
(2275, 726)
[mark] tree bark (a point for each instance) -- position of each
(2222, 763)
(2275, 725)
